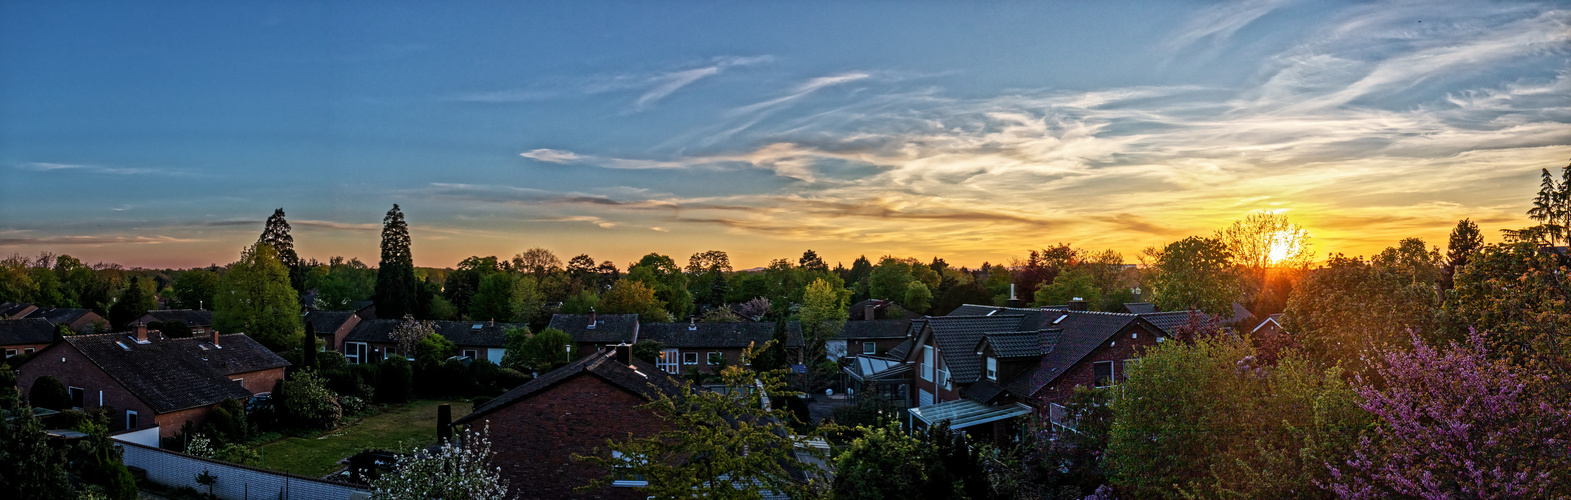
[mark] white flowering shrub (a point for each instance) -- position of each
(454, 471)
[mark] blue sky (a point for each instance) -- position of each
(162, 134)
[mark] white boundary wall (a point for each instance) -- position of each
(235, 481)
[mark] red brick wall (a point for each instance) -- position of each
(535, 439)
(22, 348)
(1127, 344)
(169, 424)
(78, 371)
(260, 381)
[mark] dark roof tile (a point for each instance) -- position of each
(608, 328)
(174, 374)
(26, 331)
(188, 316)
(695, 335)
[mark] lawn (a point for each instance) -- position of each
(398, 428)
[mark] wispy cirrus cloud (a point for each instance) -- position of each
(92, 169)
(652, 86)
(1220, 22)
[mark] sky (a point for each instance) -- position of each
(162, 134)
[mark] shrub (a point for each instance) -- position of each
(353, 405)
(49, 393)
(434, 348)
(394, 381)
(308, 403)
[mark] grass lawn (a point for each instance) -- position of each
(399, 428)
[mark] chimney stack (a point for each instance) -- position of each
(870, 312)
(444, 423)
(141, 333)
(591, 317)
(215, 337)
(1013, 302)
(624, 354)
(1079, 304)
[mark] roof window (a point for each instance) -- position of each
(123, 346)
(477, 326)
(1060, 319)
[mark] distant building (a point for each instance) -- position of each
(144, 377)
(710, 346)
(25, 336)
(363, 340)
(536, 428)
(77, 319)
(200, 322)
(596, 331)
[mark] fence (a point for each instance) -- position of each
(235, 481)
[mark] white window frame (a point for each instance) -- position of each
(927, 363)
(668, 361)
(355, 352)
(10, 352)
(130, 419)
(869, 348)
(693, 355)
(992, 369)
(714, 358)
(617, 472)
(471, 353)
(1112, 374)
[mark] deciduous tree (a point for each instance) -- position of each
(453, 470)
(255, 298)
(1196, 273)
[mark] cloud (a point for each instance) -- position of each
(336, 226)
(803, 90)
(89, 240)
(552, 156)
(92, 169)
(1219, 22)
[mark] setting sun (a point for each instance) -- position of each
(1286, 245)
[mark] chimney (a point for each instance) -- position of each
(444, 423)
(1079, 304)
(141, 333)
(215, 337)
(624, 354)
(870, 312)
(1013, 302)
(692, 323)
(591, 317)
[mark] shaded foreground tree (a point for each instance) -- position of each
(397, 289)
(33, 469)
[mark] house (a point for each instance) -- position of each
(982, 366)
(711, 346)
(868, 337)
(877, 309)
(332, 326)
(200, 322)
(371, 340)
(78, 320)
(536, 428)
(16, 310)
(144, 377)
(596, 331)
(1272, 325)
(25, 336)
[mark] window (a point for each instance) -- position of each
(471, 354)
(27, 351)
(869, 348)
(130, 419)
(715, 358)
(77, 396)
(927, 362)
(354, 352)
(992, 369)
(1104, 373)
(689, 358)
(667, 361)
(622, 475)
(10, 352)
(240, 381)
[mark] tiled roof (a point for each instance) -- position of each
(957, 337)
(901, 350)
(60, 314)
(875, 329)
(1083, 332)
(461, 333)
(1171, 321)
(188, 316)
(1017, 344)
(26, 331)
(694, 335)
(1139, 307)
(174, 374)
(323, 322)
(609, 328)
(983, 390)
(640, 378)
(9, 309)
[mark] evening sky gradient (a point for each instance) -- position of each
(163, 134)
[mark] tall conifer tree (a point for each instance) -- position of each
(396, 286)
(276, 234)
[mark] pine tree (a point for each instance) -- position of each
(276, 234)
(1465, 241)
(396, 285)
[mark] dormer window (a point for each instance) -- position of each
(992, 369)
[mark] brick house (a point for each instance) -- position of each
(332, 326)
(536, 428)
(595, 331)
(25, 336)
(200, 322)
(710, 346)
(145, 378)
(78, 320)
(982, 366)
(868, 337)
(371, 340)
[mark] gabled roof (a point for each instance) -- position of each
(1139, 307)
(698, 335)
(1019, 344)
(901, 350)
(9, 309)
(190, 317)
(61, 314)
(460, 333)
(608, 328)
(875, 329)
(172, 374)
(327, 321)
(1171, 321)
(26, 331)
(1083, 332)
(640, 378)
(957, 336)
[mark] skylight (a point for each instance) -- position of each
(1060, 318)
